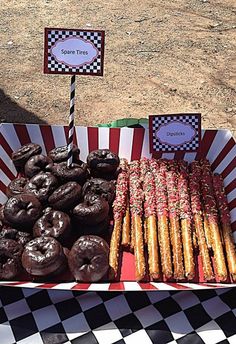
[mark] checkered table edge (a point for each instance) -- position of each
(53, 316)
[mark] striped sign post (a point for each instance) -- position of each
(71, 122)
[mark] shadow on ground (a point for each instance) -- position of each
(10, 112)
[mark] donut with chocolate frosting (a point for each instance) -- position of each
(21, 211)
(20, 157)
(42, 185)
(65, 197)
(103, 162)
(60, 154)
(10, 259)
(92, 211)
(16, 186)
(36, 164)
(88, 258)
(101, 187)
(54, 224)
(12, 233)
(43, 256)
(74, 173)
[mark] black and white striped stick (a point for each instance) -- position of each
(71, 121)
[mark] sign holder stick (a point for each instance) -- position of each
(71, 122)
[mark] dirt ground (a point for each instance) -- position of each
(160, 57)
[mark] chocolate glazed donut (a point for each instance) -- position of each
(37, 163)
(66, 196)
(3, 219)
(20, 157)
(92, 211)
(60, 154)
(21, 211)
(100, 187)
(12, 233)
(103, 162)
(16, 186)
(55, 224)
(10, 259)
(42, 185)
(43, 256)
(74, 173)
(88, 258)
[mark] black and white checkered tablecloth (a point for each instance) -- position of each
(55, 316)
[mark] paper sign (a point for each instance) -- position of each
(171, 133)
(70, 51)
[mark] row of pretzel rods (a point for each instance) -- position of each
(174, 209)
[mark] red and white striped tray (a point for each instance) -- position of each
(217, 145)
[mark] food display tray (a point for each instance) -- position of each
(132, 143)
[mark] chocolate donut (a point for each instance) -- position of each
(12, 233)
(74, 173)
(54, 224)
(43, 256)
(42, 185)
(91, 211)
(3, 219)
(10, 262)
(88, 258)
(100, 187)
(103, 162)
(37, 163)
(22, 210)
(66, 196)
(60, 154)
(20, 157)
(16, 186)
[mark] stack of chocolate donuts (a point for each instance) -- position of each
(57, 216)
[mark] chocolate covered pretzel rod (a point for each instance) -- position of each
(223, 208)
(136, 206)
(196, 205)
(144, 169)
(185, 219)
(212, 217)
(175, 232)
(119, 208)
(150, 218)
(159, 172)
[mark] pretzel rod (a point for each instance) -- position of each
(223, 208)
(138, 248)
(144, 169)
(212, 216)
(119, 208)
(126, 231)
(132, 235)
(114, 248)
(195, 198)
(153, 254)
(136, 206)
(185, 219)
(194, 238)
(145, 234)
(175, 232)
(159, 173)
(151, 228)
(207, 230)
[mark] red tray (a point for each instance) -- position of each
(132, 143)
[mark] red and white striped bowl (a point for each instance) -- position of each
(132, 143)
